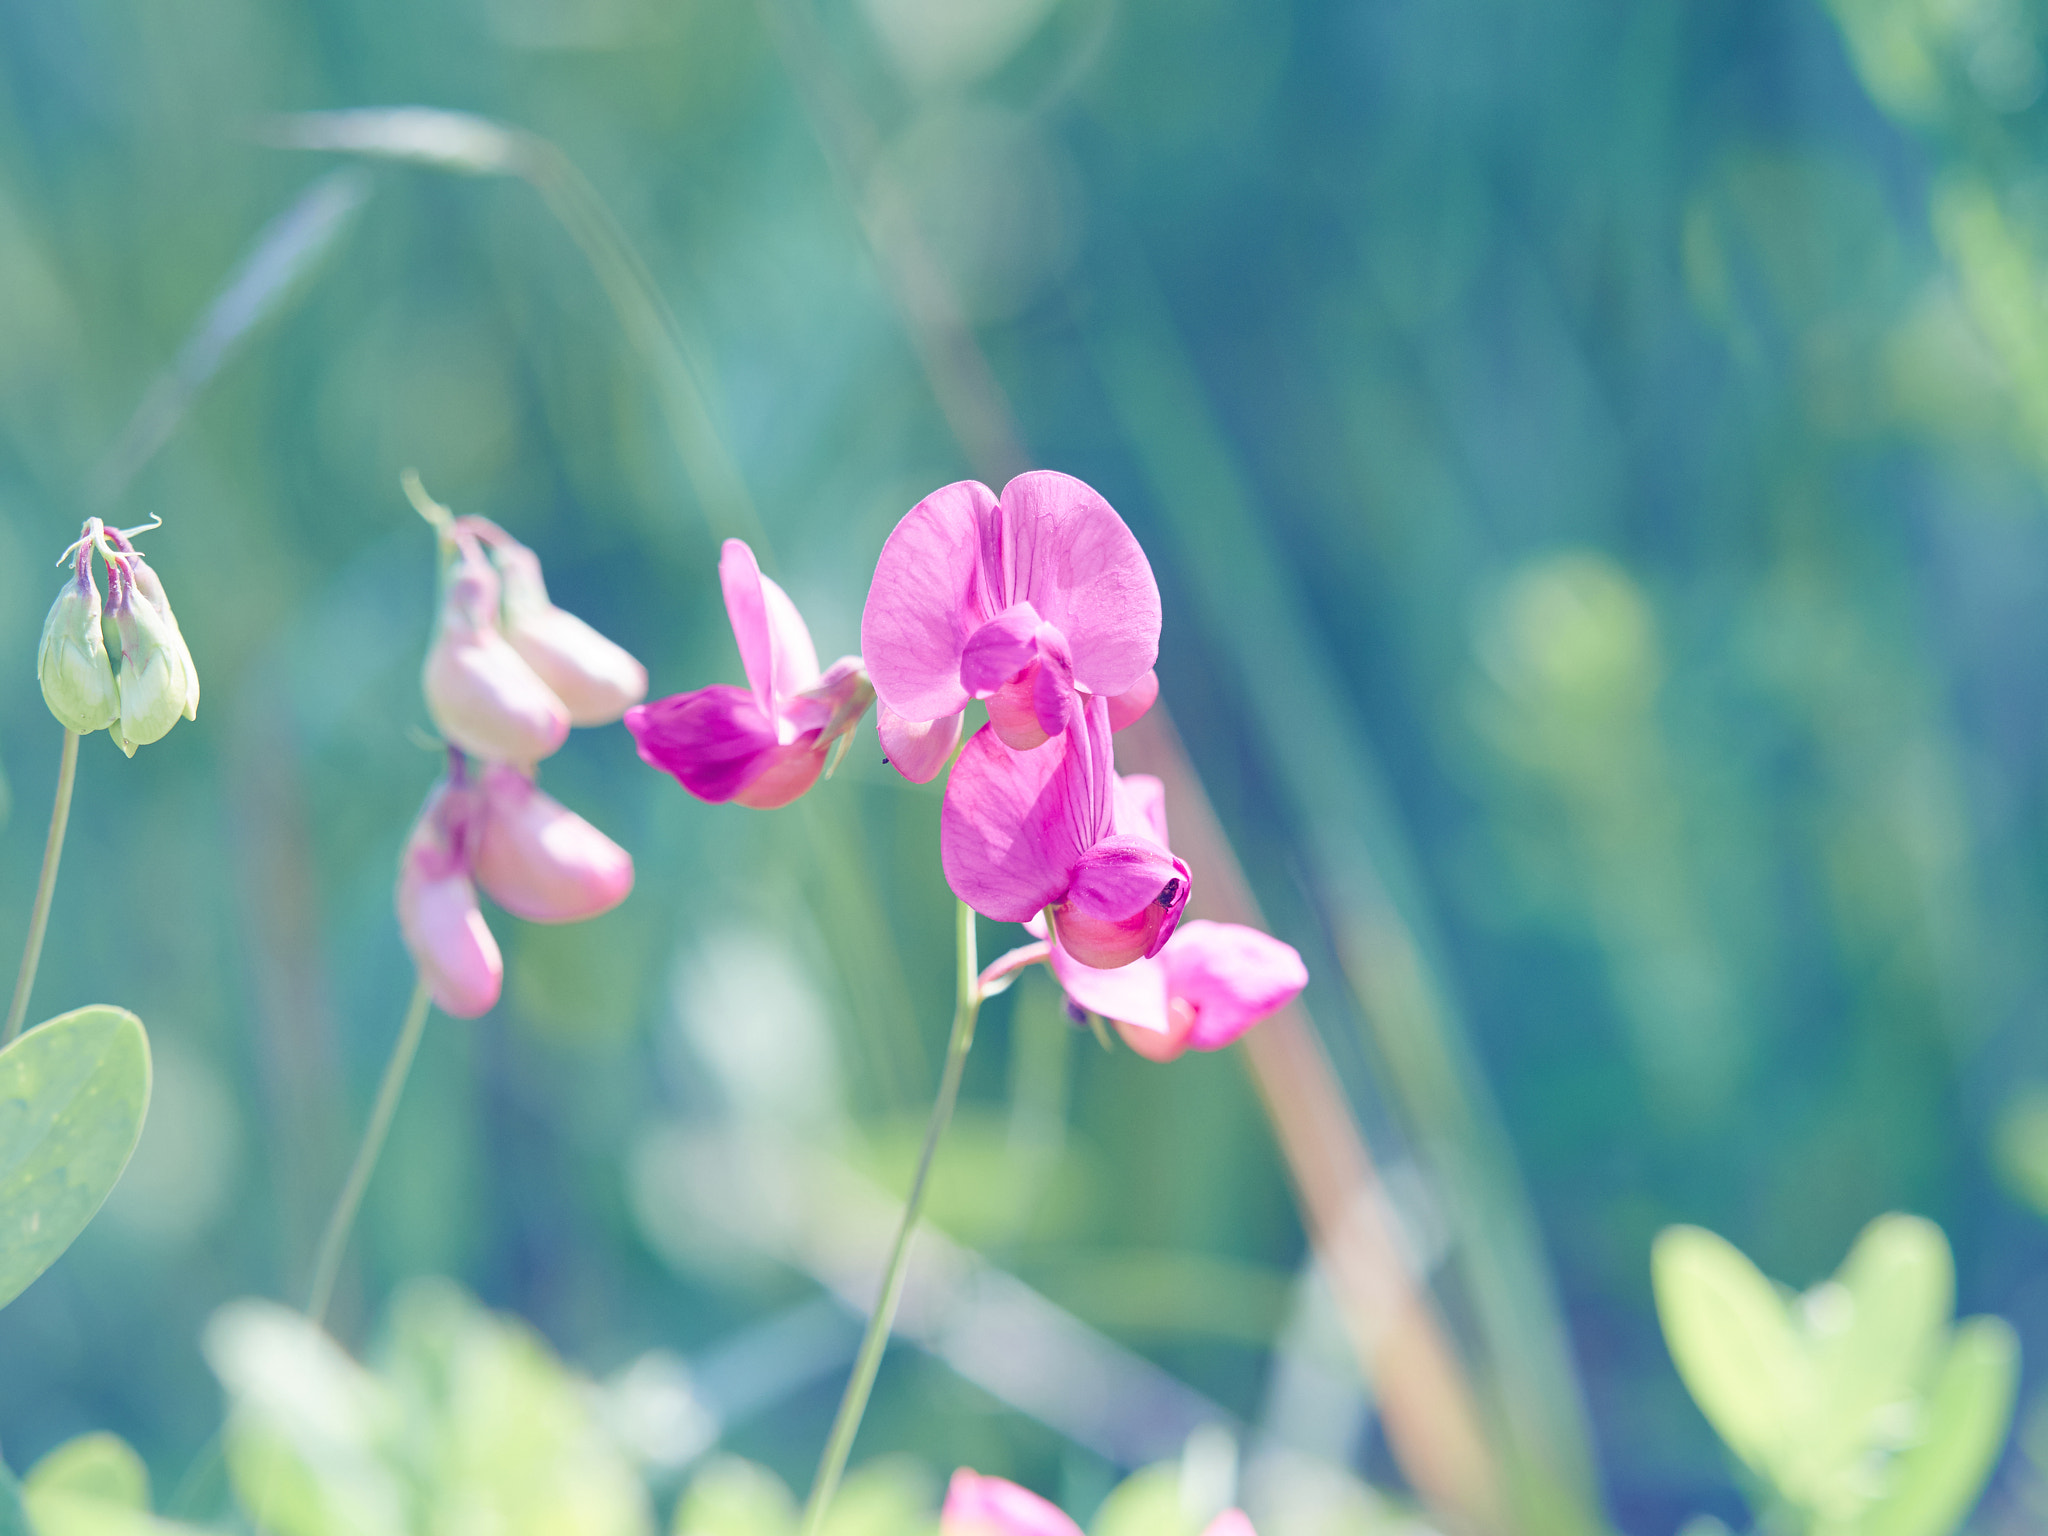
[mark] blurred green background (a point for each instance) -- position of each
(1593, 458)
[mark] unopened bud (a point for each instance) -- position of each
(458, 959)
(539, 860)
(482, 695)
(147, 584)
(153, 680)
(72, 665)
(596, 678)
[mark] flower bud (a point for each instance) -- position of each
(153, 680)
(78, 680)
(146, 582)
(483, 697)
(539, 860)
(597, 679)
(444, 928)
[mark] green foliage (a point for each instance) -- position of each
(470, 1417)
(1856, 1405)
(94, 1485)
(731, 1497)
(73, 1092)
(1147, 1503)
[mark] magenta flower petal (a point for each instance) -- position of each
(1000, 649)
(1232, 1522)
(782, 774)
(775, 645)
(1121, 874)
(1231, 976)
(539, 860)
(1052, 689)
(1070, 556)
(990, 1506)
(917, 750)
(1130, 705)
(1015, 824)
(1013, 712)
(1140, 806)
(1133, 994)
(713, 741)
(927, 599)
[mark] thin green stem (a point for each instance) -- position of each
(39, 918)
(839, 1444)
(335, 1239)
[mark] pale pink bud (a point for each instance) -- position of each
(482, 695)
(458, 959)
(597, 679)
(154, 681)
(538, 859)
(993, 1506)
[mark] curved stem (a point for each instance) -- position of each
(334, 1240)
(839, 1444)
(39, 917)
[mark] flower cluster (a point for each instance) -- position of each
(506, 676)
(1040, 603)
(991, 1506)
(157, 682)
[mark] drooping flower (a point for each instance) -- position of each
(1049, 831)
(765, 744)
(1021, 600)
(993, 1506)
(483, 696)
(595, 678)
(1207, 985)
(458, 959)
(154, 681)
(538, 859)
(71, 664)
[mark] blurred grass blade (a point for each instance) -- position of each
(1733, 1343)
(73, 1093)
(448, 141)
(1938, 1481)
(285, 250)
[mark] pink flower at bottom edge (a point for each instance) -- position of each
(1232, 1522)
(990, 1506)
(1207, 986)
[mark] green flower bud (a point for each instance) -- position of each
(154, 680)
(146, 582)
(72, 665)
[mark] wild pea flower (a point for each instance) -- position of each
(595, 678)
(538, 859)
(1020, 600)
(458, 959)
(72, 665)
(482, 694)
(1049, 831)
(992, 1506)
(155, 681)
(765, 744)
(1208, 984)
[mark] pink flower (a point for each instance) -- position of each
(483, 696)
(1208, 984)
(1049, 831)
(1232, 1522)
(989, 1506)
(596, 679)
(1020, 600)
(437, 907)
(538, 859)
(765, 744)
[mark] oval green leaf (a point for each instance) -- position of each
(1937, 1483)
(72, 1096)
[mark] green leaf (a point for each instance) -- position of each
(1733, 1343)
(98, 1466)
(1877, 1330)
(73, 1093)
(1937, 1482)
(730, 1497)
(890, 1497)
(1147, 1503)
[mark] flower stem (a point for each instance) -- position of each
(39, 917)
(851, 1406)
(335, 1239)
